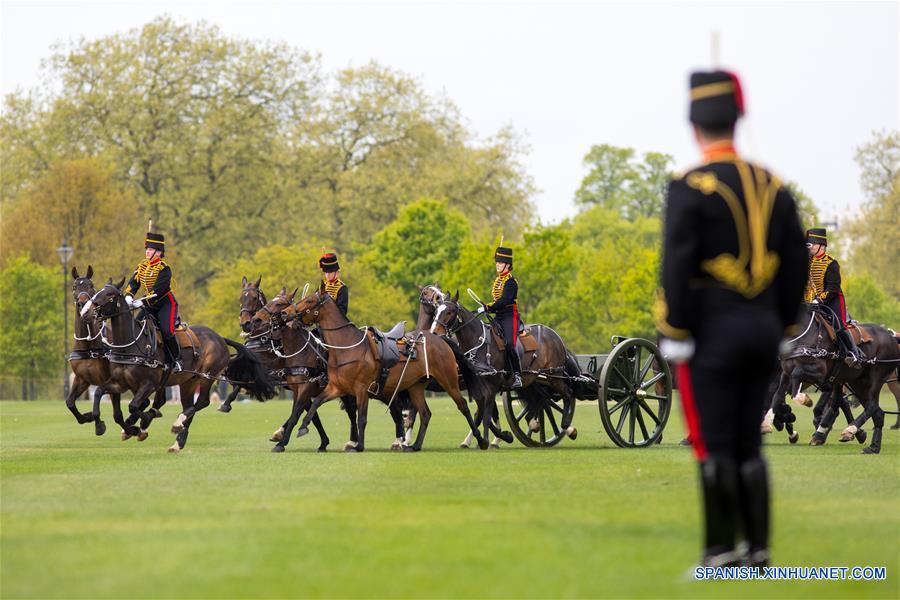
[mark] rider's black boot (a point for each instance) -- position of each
(516, 368)
(854, 356)
(754, 503)
(173, 353)
(719, 477)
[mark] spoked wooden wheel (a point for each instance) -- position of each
(536, 415)
(635, 393)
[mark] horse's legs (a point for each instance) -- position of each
(362, 407)
(479, 418)
(417, 399)
(894, 386)
(78, 387)
(226, 406)
(99, 425)
(867, 392)
(397, 411)
(118, 417)
(464, 409)
(329, 393)
(350, 408)
(187, 401)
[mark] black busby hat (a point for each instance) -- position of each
(503, 255)
(717, 100)
(816, 236)
(156, 241)
(329, 262)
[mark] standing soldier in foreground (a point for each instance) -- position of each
(733, 275)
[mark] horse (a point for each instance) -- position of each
(251, 300)
(354, 367)
(430, 297)
(137, 362)
(89, 363)
(303, 361)
(816, 358)
(549, 364)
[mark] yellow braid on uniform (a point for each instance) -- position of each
(816, 286)
(333, 287)
(499, 284)
(147, 273)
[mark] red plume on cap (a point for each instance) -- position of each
(738, 91)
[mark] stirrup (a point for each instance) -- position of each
(517, 381)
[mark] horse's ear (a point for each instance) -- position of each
(258, 279)
(456, 296)
(283, 291)
(120, 284)
(90, 272)
(244, 282)
(294, 293)
(109, 281)
(74, 272)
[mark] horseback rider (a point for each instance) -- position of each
(824, 287)
(505, 291)
(732, 275)
(334, 287)
(156, 277)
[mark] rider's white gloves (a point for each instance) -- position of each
(677, 351)
(786, 346)
(129, 300)
(481, 310)
(815, 301)
(137, 303)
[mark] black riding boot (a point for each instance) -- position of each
(513, 357)
(719, 477)
(173, 353)
(754, 502)
(853, 355)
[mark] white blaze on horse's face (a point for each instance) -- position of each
(87, 307)
(437, 315)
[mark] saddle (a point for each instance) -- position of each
(860, 334)
(390, 346)
(183, 334)
(525, 342)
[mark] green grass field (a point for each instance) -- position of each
(89, 517)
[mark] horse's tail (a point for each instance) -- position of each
(572, 367)
(246, 370)
(473, 382)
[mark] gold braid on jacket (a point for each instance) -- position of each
(333, 287)
(815, 289)
(499, 284)
(147, 272)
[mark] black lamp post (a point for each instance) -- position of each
(65, 254)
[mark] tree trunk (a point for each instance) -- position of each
(24, 389)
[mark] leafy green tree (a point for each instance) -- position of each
(616, 180)
(806, 208)
(418, 245)
(869, 303)
(31, 327)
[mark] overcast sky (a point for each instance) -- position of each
(819, 77)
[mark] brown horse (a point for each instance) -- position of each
(251, 300)
(353, 367)
(546, 365)
(89, 363)
(137, 362)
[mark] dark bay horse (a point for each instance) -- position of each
(303, 362)
(251, 300)
(547, 365)
(137, 363)
(89, 362)
(353, 367)
(817, 359)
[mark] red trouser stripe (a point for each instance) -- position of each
(172, 309)
(695, 435)
(843, 309)
(515, 324)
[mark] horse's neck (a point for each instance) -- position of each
(470, 333)
(292, 340)
(336, 329)
(82, 330)
(424, 321)
(122, 325)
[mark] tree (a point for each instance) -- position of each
(413, 251)
(617, 181)
(76, 200)
(30, 322)
(869, 303)
(872, 238)
(806, 208)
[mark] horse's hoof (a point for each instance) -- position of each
(321, 450)
(794, 437)
(409, 449)
(871, 450)
(350, 446)
(156, 413)
(278, 448)
(684, 442)
(143, 435)
(126, 436)
(302, 431)
(506, 436)
(464, 446)
(534, 425)
(278, 435)
(225, 408)
(99, 428)
(483, 444)
(178, 425)
(495, 445)
(803, 399)
(861, 436)
(895, 426)
(175, 448)
(572, 433)
(766, 428)
(176, 429)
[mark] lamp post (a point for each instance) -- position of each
(65, 254)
